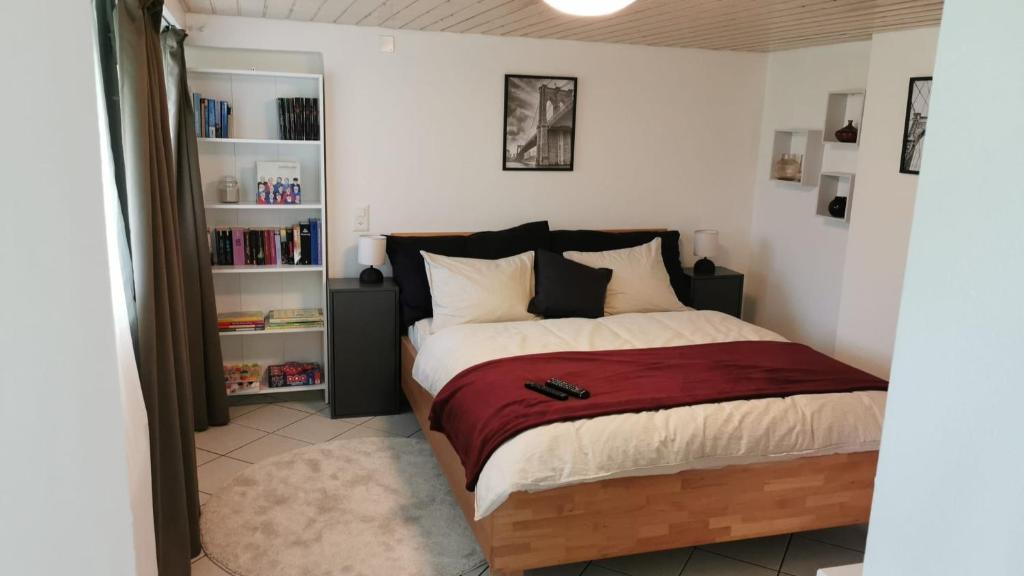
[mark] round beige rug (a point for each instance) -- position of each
(360, 507)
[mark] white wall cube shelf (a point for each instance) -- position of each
(834, 184)
(841, 107)
(808, 144)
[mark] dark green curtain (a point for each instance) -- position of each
(209, 398)
(170, 297)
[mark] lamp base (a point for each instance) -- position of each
(704, 266)
(371, 276)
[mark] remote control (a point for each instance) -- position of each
(563, 386)
(549, 392)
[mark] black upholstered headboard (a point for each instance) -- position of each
(410, 275)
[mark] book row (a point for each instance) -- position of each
(298, 118)
(297, 245)
(212, 117)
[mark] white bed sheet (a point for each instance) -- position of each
(646, 443)
(419, 332)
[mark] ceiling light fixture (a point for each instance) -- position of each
(589, 7)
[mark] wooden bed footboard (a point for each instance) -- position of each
(623, 516)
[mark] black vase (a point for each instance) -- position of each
(837, 207)
(847, 133)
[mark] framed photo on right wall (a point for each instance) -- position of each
(918, 96)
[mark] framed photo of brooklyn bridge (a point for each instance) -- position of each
(540, 122)
(914, 124)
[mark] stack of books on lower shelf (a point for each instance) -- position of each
(255, 320)
(295, 318)
(240, 321)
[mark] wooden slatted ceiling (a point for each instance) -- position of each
(747, 25)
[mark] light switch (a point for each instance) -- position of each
(387, 44)
(361, 222)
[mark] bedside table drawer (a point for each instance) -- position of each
(722, 291)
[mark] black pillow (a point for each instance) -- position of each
(567, 289)
(597, 241)
(410, 273)
(505, 243)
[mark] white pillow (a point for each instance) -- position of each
(639, 282)
(472, 290)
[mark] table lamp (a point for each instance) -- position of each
(371, 253)
(705, 245)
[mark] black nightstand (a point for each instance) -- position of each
(364, 347)
(721, 291)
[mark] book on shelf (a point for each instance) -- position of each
(314, 244)
(298, 118)
(291, 318)
(304, 242)
(240, 321)
(285, 246)
(212, 117)
(278, 182)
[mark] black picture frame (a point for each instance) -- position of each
(522, 109)
(914, 122)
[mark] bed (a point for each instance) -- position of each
(631, 483)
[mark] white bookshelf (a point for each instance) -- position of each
(254, 137)
(283, 269)
(272, 332)
(280, 390)
(253, 206)
(262, 141)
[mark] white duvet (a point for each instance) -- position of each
(646, 443)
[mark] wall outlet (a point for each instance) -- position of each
(361, 222)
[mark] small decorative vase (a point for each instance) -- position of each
(788, 167)
(837, 207)
(847, 133)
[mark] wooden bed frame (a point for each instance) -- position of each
(623, 516)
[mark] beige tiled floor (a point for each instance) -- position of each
(267, 426)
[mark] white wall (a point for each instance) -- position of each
(827, 283)
(948, 496)
(794, 281)
(665, 137)
(883, 207)
(74, 485)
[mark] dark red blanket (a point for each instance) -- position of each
(486, 405)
